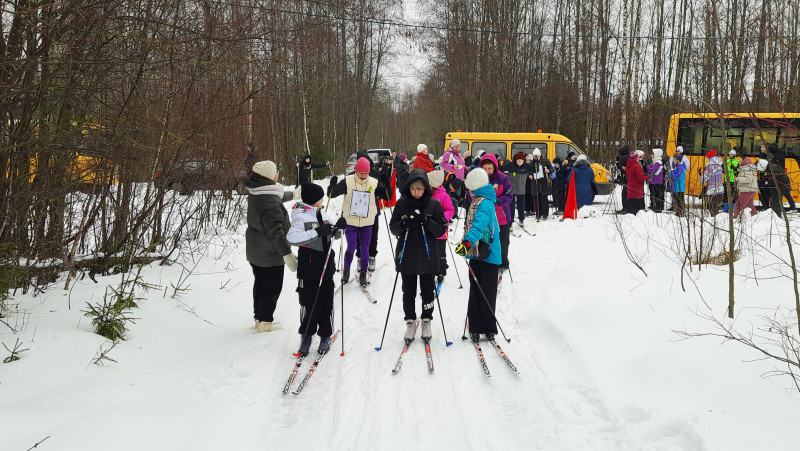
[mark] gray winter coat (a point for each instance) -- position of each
(267, 222)
(519, 177)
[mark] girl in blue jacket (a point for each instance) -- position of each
(481, 225)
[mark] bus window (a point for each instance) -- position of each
(493, 148)
(562, 149)
(528, 148)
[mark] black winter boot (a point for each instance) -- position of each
(362, 279)
(345, 276)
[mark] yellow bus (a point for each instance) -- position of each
(551, 145)
(698, 133)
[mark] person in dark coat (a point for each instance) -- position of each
(584, 177)
(401, 166)
(265, 241)
(529, 189)
(520, 173)
(560, 181)
(779, 164)
(304, 169)
(417, 221)
(541, 170)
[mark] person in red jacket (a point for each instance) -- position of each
(423, 161)
(636, 178)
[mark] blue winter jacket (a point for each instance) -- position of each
(485, 221)
(584, 176)
(678, 178)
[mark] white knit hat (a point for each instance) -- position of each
(421, 147)
(266, 168)
(455, 142)
(640, 153)
(435, 178)
(732, 152)
(476, 178)
(657, 152)
(582, 157)
(536, 152)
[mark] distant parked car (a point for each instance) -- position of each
(187, 176)
(375, 154)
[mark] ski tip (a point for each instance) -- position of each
(449, 343)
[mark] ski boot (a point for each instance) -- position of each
(345, 276)
(426, 330)
(475, 337)
(490, 337)
(371, 266)
(362, 279)
(411, 330)
(324, 345)
(305, 345)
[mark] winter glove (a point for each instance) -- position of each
(463, 248)
(291, 262)
(324, 230)
(423, 219)
(405, 222)
(341, 224)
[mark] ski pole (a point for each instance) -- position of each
(389, 232)
(475, 278)
(391, 299)
(455, 265)
(430, 261)
(341, 246)
(508, 270)
(464, 335)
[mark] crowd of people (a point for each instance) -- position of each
(738, 175)
(426, 196)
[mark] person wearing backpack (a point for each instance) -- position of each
(481, 247)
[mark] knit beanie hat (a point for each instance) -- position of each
(435, 178)
(639, 153)
(476, 178)
(732, 153)
(403, 156)
(421, 147)
(711, 154)
(266, 169)
(311, 193)
(679, 149)
(362, 165)
(479, 155)
(657, 153)
(519, 156)
(582, 157)
(455, 142)
(536, 152)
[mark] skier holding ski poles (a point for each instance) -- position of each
(481, 247)
(313, 232)
(416, 213)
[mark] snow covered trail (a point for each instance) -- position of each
(592, 336)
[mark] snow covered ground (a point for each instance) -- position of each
(593, 337)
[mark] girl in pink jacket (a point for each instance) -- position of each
(435, 179)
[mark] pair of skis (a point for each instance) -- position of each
(428, 354)
(299, 362)
(499, 350)
(364, 290)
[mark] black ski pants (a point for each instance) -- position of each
(481, 304)
(427, 291)
(266, 291)
(316, 310)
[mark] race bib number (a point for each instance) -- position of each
(359, 204)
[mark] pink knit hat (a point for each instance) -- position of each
(362, 165)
